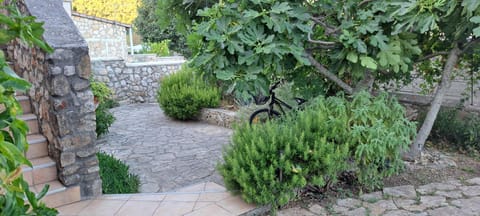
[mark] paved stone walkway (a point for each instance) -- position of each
(204, 199)
(435, 199)
(164, 153)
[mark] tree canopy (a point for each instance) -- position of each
(124, 11)
(355, 44)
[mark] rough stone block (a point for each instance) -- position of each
(60, 86)
(67, 158)
(69, 70)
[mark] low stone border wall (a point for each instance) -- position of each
(220, 117)
(133, 82)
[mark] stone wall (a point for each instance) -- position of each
(133, 82)
(105, 38)
(460, 89)
(61, 94)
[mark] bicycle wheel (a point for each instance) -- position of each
(262, 115)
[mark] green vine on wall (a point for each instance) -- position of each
(15, 195)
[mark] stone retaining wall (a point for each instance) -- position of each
(459, 89)
(220, 117)
(61, 95)
(133, 82)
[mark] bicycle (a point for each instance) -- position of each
(264, 114)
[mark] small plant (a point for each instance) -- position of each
(159, 48)
(115, 175)
(268, 163)
(182, 95)
(103, 96)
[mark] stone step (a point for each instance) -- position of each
(25, 103)
(44, 170)
(37, 146)
(32, 122)
(58, 194)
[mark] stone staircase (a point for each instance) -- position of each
(44, 170)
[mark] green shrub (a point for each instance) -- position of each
(103, 95)
(182, 95)
(115, 175)
(104, 119)
(267, 163)
(462, 133)
(158, 48)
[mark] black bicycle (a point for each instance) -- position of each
(265, 114)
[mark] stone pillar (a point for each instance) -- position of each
(61, 95)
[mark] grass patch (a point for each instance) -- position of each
(116, 178)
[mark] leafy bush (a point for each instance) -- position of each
(267, 163)
(462, 133)
(103, 96)
(15, 195)
(158, 48)
(182, 95)
(116, 178)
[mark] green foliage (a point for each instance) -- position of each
(247, 41)
(461, 132)
(104, 119)
(115, 175)
(148, 26)
(267, 163)
(183, 94)
(15, 195)
(103, 96)
(158, 48)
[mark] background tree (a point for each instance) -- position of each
(123, 11)
(354, 44)
(168, 20)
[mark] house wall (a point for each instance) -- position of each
(106, 39)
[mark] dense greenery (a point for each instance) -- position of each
(115, 175)
(267, 163)
(183, 94)
(158, 48)
(103, 96)
(148, 26)
(461, 132)
(123, 11)
(353, 44)
(15, 195)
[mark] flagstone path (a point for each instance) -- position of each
(165, 154)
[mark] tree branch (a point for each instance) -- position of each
(469, 44)
(323, 44)
(325, 72)
(427, 57)
(364, 2)
(329, 30)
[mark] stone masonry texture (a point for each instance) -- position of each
(133, 82)
(105, 39)
(61, 94)
(452, 197)
(164, 153)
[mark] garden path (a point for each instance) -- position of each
(164, 153)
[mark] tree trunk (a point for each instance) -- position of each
(322, 70)
(366, 83)
(422, 135)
